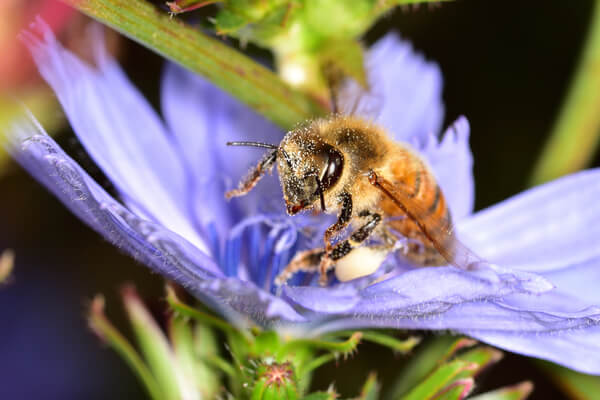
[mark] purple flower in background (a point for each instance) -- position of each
(171, 214)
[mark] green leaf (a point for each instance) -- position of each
(441, 377)
(517, 392)
(574, 384)
(237, 74)
(107, 332)
(575, 136)
(227, 22)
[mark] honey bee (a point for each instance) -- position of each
(347, 165)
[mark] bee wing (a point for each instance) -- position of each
(440, 233)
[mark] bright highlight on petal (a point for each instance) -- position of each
(538, 297)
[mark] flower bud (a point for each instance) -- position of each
(275, 381)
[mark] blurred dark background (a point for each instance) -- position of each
(506, 65)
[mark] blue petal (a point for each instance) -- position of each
(452, 164)
(118, 128)
(323, 300)
(518, 311)
(162, 250)
(410, 88)
(144, 240)
(549, 227)
(203, 119)
(576, 348)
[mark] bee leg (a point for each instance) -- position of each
(342, 248)
(357, 237)
(266, 164)
(307, 261)
(343, 220)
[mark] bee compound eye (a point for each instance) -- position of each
(333, 167)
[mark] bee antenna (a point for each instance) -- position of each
(254, 144)
(320, 191)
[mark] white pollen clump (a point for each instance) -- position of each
(359, 262)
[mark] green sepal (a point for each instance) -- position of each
(441, 377)
(517, 392)
(193, 344)
(481, 357)
(103, 328)
(458, 390)
(453, 377)
(384, 338)
(370, 389)
(154, 346)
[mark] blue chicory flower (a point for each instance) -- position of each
(171, 214)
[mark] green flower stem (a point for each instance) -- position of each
(232, 71)
(574, 139)
(103, 328)
(315, 363)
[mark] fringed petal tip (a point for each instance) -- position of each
(451, 161)
(137, 154)
(411, 88)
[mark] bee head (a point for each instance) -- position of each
(308, 168)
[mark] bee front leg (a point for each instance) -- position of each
(266, 164)
(343, 220)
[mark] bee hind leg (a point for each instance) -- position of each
(344, 247)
